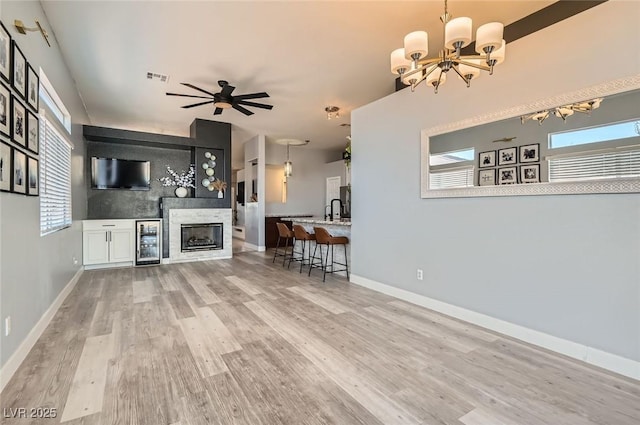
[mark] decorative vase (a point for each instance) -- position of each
(181, 192)
(220, 194)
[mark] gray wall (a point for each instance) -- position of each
(118, 203)
(306, 187)
(33, 269)
(565, 265)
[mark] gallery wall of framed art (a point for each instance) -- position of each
(19, 123)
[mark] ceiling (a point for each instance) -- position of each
(305, 54)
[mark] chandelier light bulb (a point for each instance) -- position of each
(416, 45)
(489, 37)
(399, 63)
(457, 33)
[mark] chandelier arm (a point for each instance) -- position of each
(428, 72)
(427, 62)
(437, 84)
(465, 79)
(473, 64)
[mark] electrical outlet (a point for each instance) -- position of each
(75, 261)
(7, 326)
(419, 274)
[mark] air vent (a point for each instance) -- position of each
(163, 78)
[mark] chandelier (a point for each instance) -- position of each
(413, 66)
(563, 111)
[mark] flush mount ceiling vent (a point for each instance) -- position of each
(163, 78)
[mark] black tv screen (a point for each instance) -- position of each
(112, 173)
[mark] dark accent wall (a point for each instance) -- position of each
(120, 203)
(161, 150)
(216, 135)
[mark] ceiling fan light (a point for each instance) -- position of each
(222, 105)
(399, 63)
(489, 37)
(456, 31)
(416, 45)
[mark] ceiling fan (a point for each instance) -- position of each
(224, 100)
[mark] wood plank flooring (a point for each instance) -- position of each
(245, 341)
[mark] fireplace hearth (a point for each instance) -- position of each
(201, 236)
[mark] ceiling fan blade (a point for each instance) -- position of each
(187, 95)
(227, 90)
(197, 88)
(251, 96)
(254, 104)
(199, 104)
(218, 111)
(242, 109)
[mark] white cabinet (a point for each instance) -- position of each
(107, 243)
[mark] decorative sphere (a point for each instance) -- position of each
(210, 188)
(212, 163)
(206, 182)
(209, 172)
(207, 155)
(213, 157)
(205, 166)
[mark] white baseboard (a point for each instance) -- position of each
(27, 344)
(193, 260)
(109, 265)
(259, 248)
(603, 359)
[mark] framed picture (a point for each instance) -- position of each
(18, 122)
(487, 177)
(530, 153)
(33, 132)
(19, 172)
(507, 156)
(530, 173)
(33, 86)
(5, 167)
(5, 54)
(487, 159)
(19, 71)
(33, 177)
(5, 107)
(508, 175)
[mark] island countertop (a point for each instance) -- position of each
(319, 220)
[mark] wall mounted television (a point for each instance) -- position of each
(113, 173)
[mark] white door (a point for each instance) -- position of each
(121, 247)
(96, 247)
(333, 192)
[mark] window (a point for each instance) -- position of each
(450, 178)
(607, 151)
(451, 169)
(55, 161)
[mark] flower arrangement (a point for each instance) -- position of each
(184, 179)
(219, 185)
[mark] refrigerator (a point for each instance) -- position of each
(148, 242)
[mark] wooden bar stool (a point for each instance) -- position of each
(323, 237)
(304, 237)
(287, 235)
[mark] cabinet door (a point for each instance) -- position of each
(121, 248)
(96, 247)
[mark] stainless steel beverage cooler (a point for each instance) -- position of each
(148, 242)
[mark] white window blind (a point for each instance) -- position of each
(55, 179)
(459, 177)
(595, 165)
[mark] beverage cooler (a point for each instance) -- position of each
(148, 242)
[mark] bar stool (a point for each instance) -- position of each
(303, 236)
(286, 234)
(323, 237)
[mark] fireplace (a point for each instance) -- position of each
(201, 236)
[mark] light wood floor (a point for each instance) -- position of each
(244, 341)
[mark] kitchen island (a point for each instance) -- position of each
(340, 227)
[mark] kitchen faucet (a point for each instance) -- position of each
(339, 212)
